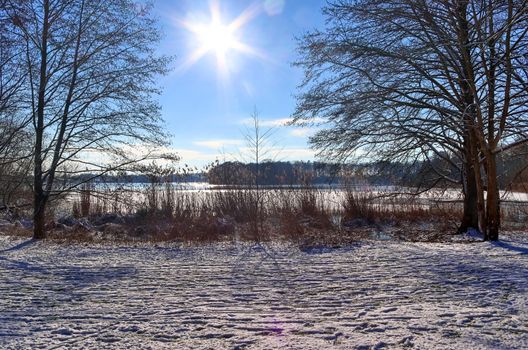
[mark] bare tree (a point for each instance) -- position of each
(15, 148)
(91, 73)
(391, 80)
(12, 76)
(260, 147)
(493, 41)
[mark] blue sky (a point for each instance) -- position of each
(205, 105)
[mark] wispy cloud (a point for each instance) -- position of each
(273, 7)
(267, 122)
(247, 154)
(302, 132)
(284, 122)
(200, 159)
(218, 144)
(196, 158)
(293, 154)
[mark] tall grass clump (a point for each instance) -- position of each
(359, 205)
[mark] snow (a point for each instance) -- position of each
(371, 295)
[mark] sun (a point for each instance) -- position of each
(218, 37)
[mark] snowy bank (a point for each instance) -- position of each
(369, 295)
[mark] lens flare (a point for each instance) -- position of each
(219, 38)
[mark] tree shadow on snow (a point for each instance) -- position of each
(19, 246)
(78, 276)
(10, 263)
(523, 250)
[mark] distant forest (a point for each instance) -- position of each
(512, 169)
(513, 173)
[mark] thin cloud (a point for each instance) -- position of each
(293, 154)
(302, 132)
(267, 122)
(273, 7)
(218, 144)
(246, 154)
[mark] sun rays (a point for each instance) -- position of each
(219, 37)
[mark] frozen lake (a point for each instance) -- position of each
(368, 296)
(124, 197)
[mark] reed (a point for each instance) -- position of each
(166, 212)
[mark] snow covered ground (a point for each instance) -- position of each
(371, 295)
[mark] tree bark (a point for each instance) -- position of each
(39, 205)
(481, 202)
(39, 217)
(470, 113)
(492, 200)
(470, 217)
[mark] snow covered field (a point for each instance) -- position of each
(368, 296)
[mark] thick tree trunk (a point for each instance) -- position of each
(39, 217)
(469, 119)
(492, 200)
(39, 203)
(39, 208)
(481, 202)
(470, 217)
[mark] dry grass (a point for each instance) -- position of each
(304, 216)
(298, 215)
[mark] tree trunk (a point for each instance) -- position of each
(469, 99)
(39, 217)
(39, 203)
(481, 203)
(492, 200)
(470, 218)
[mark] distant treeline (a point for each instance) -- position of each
(308, 173)
(273, 173)
(513, 173)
